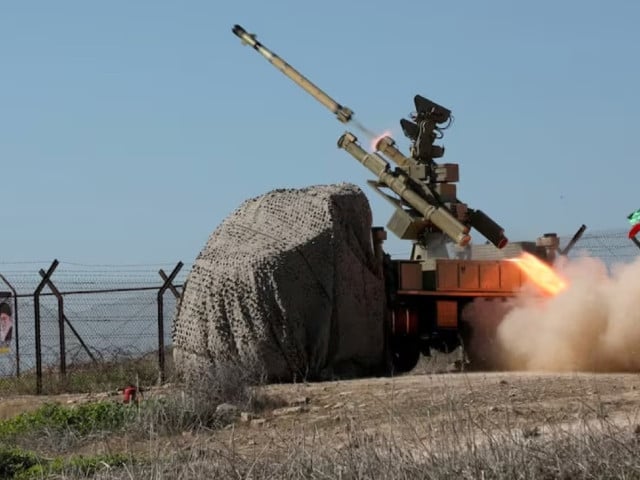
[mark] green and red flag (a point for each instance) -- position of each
(634, 220)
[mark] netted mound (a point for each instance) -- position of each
(288, 282)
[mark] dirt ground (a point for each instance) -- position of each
(419, 409)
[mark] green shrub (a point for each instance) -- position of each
(21, 464)
(80, 420)
(15, 462)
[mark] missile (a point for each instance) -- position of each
(437, 215)
(343, 113)
(387, 147)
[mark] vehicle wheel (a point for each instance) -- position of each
(405, 353)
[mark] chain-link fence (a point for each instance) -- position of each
(66, 321)
(610, 246)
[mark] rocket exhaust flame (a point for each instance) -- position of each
(592, 326)
(540, 273)
(376, 139)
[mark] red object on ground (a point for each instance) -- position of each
(129, 394)
(634, 230)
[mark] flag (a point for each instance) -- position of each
(634, 217)
(634, 220)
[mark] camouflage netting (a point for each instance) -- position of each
(288, 282)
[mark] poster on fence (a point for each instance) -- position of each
(6, 323)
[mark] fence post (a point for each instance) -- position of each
(65, 319)
(163, 288)
(565, 251)
(172, 287)
(15, 321)
(36, 307)
(63, 350)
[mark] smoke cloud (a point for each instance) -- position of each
(594, 325)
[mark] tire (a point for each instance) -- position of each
(405, 353)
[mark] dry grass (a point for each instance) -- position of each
(470, 449)
(422, 427)
(114, 371)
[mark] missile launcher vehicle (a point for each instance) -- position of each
(427, 293)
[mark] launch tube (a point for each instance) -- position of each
(487, 227)
(344, 114)
(379, 167)
(387, 147)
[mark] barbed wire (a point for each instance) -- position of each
(76, 276)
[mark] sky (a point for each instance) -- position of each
(130, 130)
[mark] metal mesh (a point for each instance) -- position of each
(110, 313)
(610, 246)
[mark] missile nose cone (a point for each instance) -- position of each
(245, 37)
(238, 30)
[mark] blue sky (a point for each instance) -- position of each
(129, 130)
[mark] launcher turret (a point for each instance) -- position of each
(436, 182)
(423, 192)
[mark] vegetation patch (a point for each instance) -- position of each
(55, 426)
(16, 463)
(79, 420)
(113, 370)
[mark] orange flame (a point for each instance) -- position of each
(540, 273)
(375, 141)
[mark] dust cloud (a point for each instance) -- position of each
(593, 325)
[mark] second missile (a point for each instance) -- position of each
(343, 113)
